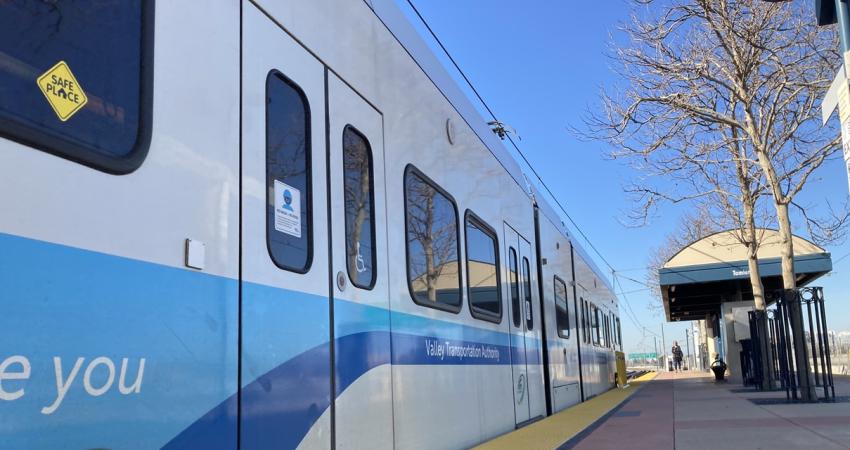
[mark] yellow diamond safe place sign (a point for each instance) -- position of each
(62, 90)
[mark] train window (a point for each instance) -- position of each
(603, 340)
(594, 317)
(586, 311)
(526, 285)
(483, 286)
(359, 213)
(562, 310)
(433, 271)
(583, 321)
(612, 338)
(619, 332)
(76, 77)
(288, 215)
(513, 268)
(613, 330)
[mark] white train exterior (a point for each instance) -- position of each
(283, 227)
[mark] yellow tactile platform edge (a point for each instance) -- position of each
(553, 431)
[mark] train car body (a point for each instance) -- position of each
(271, 224)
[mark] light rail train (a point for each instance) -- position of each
(271, 224)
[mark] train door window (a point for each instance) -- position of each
(611, 323)
(619, 333)
(483, 284)
(526, 282)
(359, 212)
(611, 329)
(583, 321)
(591, 327)
(562, 311)
(594, 317)
(75, 79)
(587, 323)
(617, 330)
(288, 214)
(602, 336)
(513, 269)
(603, 341)
(433, 271)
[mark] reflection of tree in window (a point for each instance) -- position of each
(514, 281)
(526, 284)
(595, 323)
(562, 312)
(357, 181)
(431, 243)
(481, 270)
(287, 161)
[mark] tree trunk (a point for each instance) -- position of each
(428, 245)
(767, 376)
(786, 239)
(752, 256)
(789, 283)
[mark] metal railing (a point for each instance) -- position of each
(780, 337)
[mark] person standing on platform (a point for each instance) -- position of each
(677, 357)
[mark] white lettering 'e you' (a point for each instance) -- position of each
(137, 385)
(64, 384)
(6, 374)
(110, 367)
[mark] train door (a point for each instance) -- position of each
(362, 382)
(285, 363)
(533, 337)
(519, 292)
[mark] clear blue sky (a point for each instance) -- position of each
(540, 66)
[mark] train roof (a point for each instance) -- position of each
(389, 13)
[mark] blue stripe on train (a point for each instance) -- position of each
(65, 304)
(280, 407)
(183, 322)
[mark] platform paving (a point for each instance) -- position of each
(691, 411)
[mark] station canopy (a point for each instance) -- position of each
(714, 269)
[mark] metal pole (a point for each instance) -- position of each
(687, 349)
(842, 12)
(832, 336)
(664, 348)
(655, 340)
(806, 381)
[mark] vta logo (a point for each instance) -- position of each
(520, 389)
(287, 200)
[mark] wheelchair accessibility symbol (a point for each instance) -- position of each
(359, 264)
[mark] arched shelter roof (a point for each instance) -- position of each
(714, 269)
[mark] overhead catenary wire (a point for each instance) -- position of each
(840, 259)
(642, 283)
(513, 144)
(634, 291)
(629, 312)
(519, 151)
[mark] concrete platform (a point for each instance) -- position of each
(553, 431)
(691, 411)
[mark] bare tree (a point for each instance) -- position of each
(721, 99)
(692, 227)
